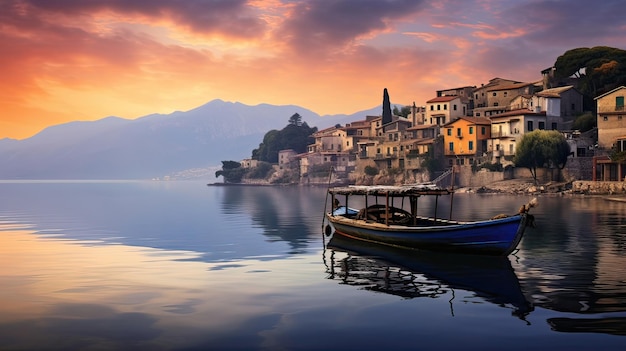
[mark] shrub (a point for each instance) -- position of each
(371, 171)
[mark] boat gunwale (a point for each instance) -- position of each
(451, 225)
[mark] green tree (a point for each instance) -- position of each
(597, 70)
(231, 171)
(295, 120)
(541, 148)
(261, 171)
(405, 111)
(296, 136)
(585, 122)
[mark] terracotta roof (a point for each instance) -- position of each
(510, 86)
(554, 92)
(422, 126)
(519, 112)
(473, 120)
(443, 99)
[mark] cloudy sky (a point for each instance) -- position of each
(67, 60)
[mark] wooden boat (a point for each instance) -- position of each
(390, 225)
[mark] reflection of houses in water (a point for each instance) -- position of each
(585, 280)
(414, 274)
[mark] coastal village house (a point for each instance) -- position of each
(466, 126)
(333, 147)
(508, 128)
(465, 139)
(611, 135)
(389, 152)
(444, 109)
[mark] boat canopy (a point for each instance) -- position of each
(391, 190)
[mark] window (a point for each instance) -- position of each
(529, 126)
(451, 147)
(542, 125)
(573, 107)
(554, 126)
(494, 94)
(432, 107)
(471, 145)
(505, 93)
(438, 107)
(483, 130)
(477, 114)
(605, 118)
(471, 130)
(454, 107)
(449, 131)
(445, 107)
(458, 131)
(619, 103)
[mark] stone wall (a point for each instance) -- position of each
(578, 168)
(466, 178)
(598, 188)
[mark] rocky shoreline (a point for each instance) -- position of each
(524, 186)
(615, 191)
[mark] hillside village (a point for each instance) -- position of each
(466, 137)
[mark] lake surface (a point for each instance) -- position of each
(184, 266)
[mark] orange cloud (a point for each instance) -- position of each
(70, 60)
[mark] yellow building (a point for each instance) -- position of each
(465, 138)
(611, 135)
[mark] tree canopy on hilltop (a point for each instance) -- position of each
(598, 69)
(297, 135)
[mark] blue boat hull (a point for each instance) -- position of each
(493, 237)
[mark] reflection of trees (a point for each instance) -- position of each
(414, 274)
(286, 213)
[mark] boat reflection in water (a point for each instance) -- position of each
(418, 273)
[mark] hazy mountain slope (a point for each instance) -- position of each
(151, 146)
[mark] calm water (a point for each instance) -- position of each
(183, 266)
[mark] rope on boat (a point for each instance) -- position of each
(330, 174)
(522, 210)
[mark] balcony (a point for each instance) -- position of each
(611, 109)
(504, 133)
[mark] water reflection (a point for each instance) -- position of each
(611, 325)
(413, 274)
(288, 214)
(573, 263)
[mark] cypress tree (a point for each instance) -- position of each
(386, 107)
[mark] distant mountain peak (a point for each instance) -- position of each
(154, 145)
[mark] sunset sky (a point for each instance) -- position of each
(67, 60)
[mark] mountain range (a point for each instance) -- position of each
(153, 146)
